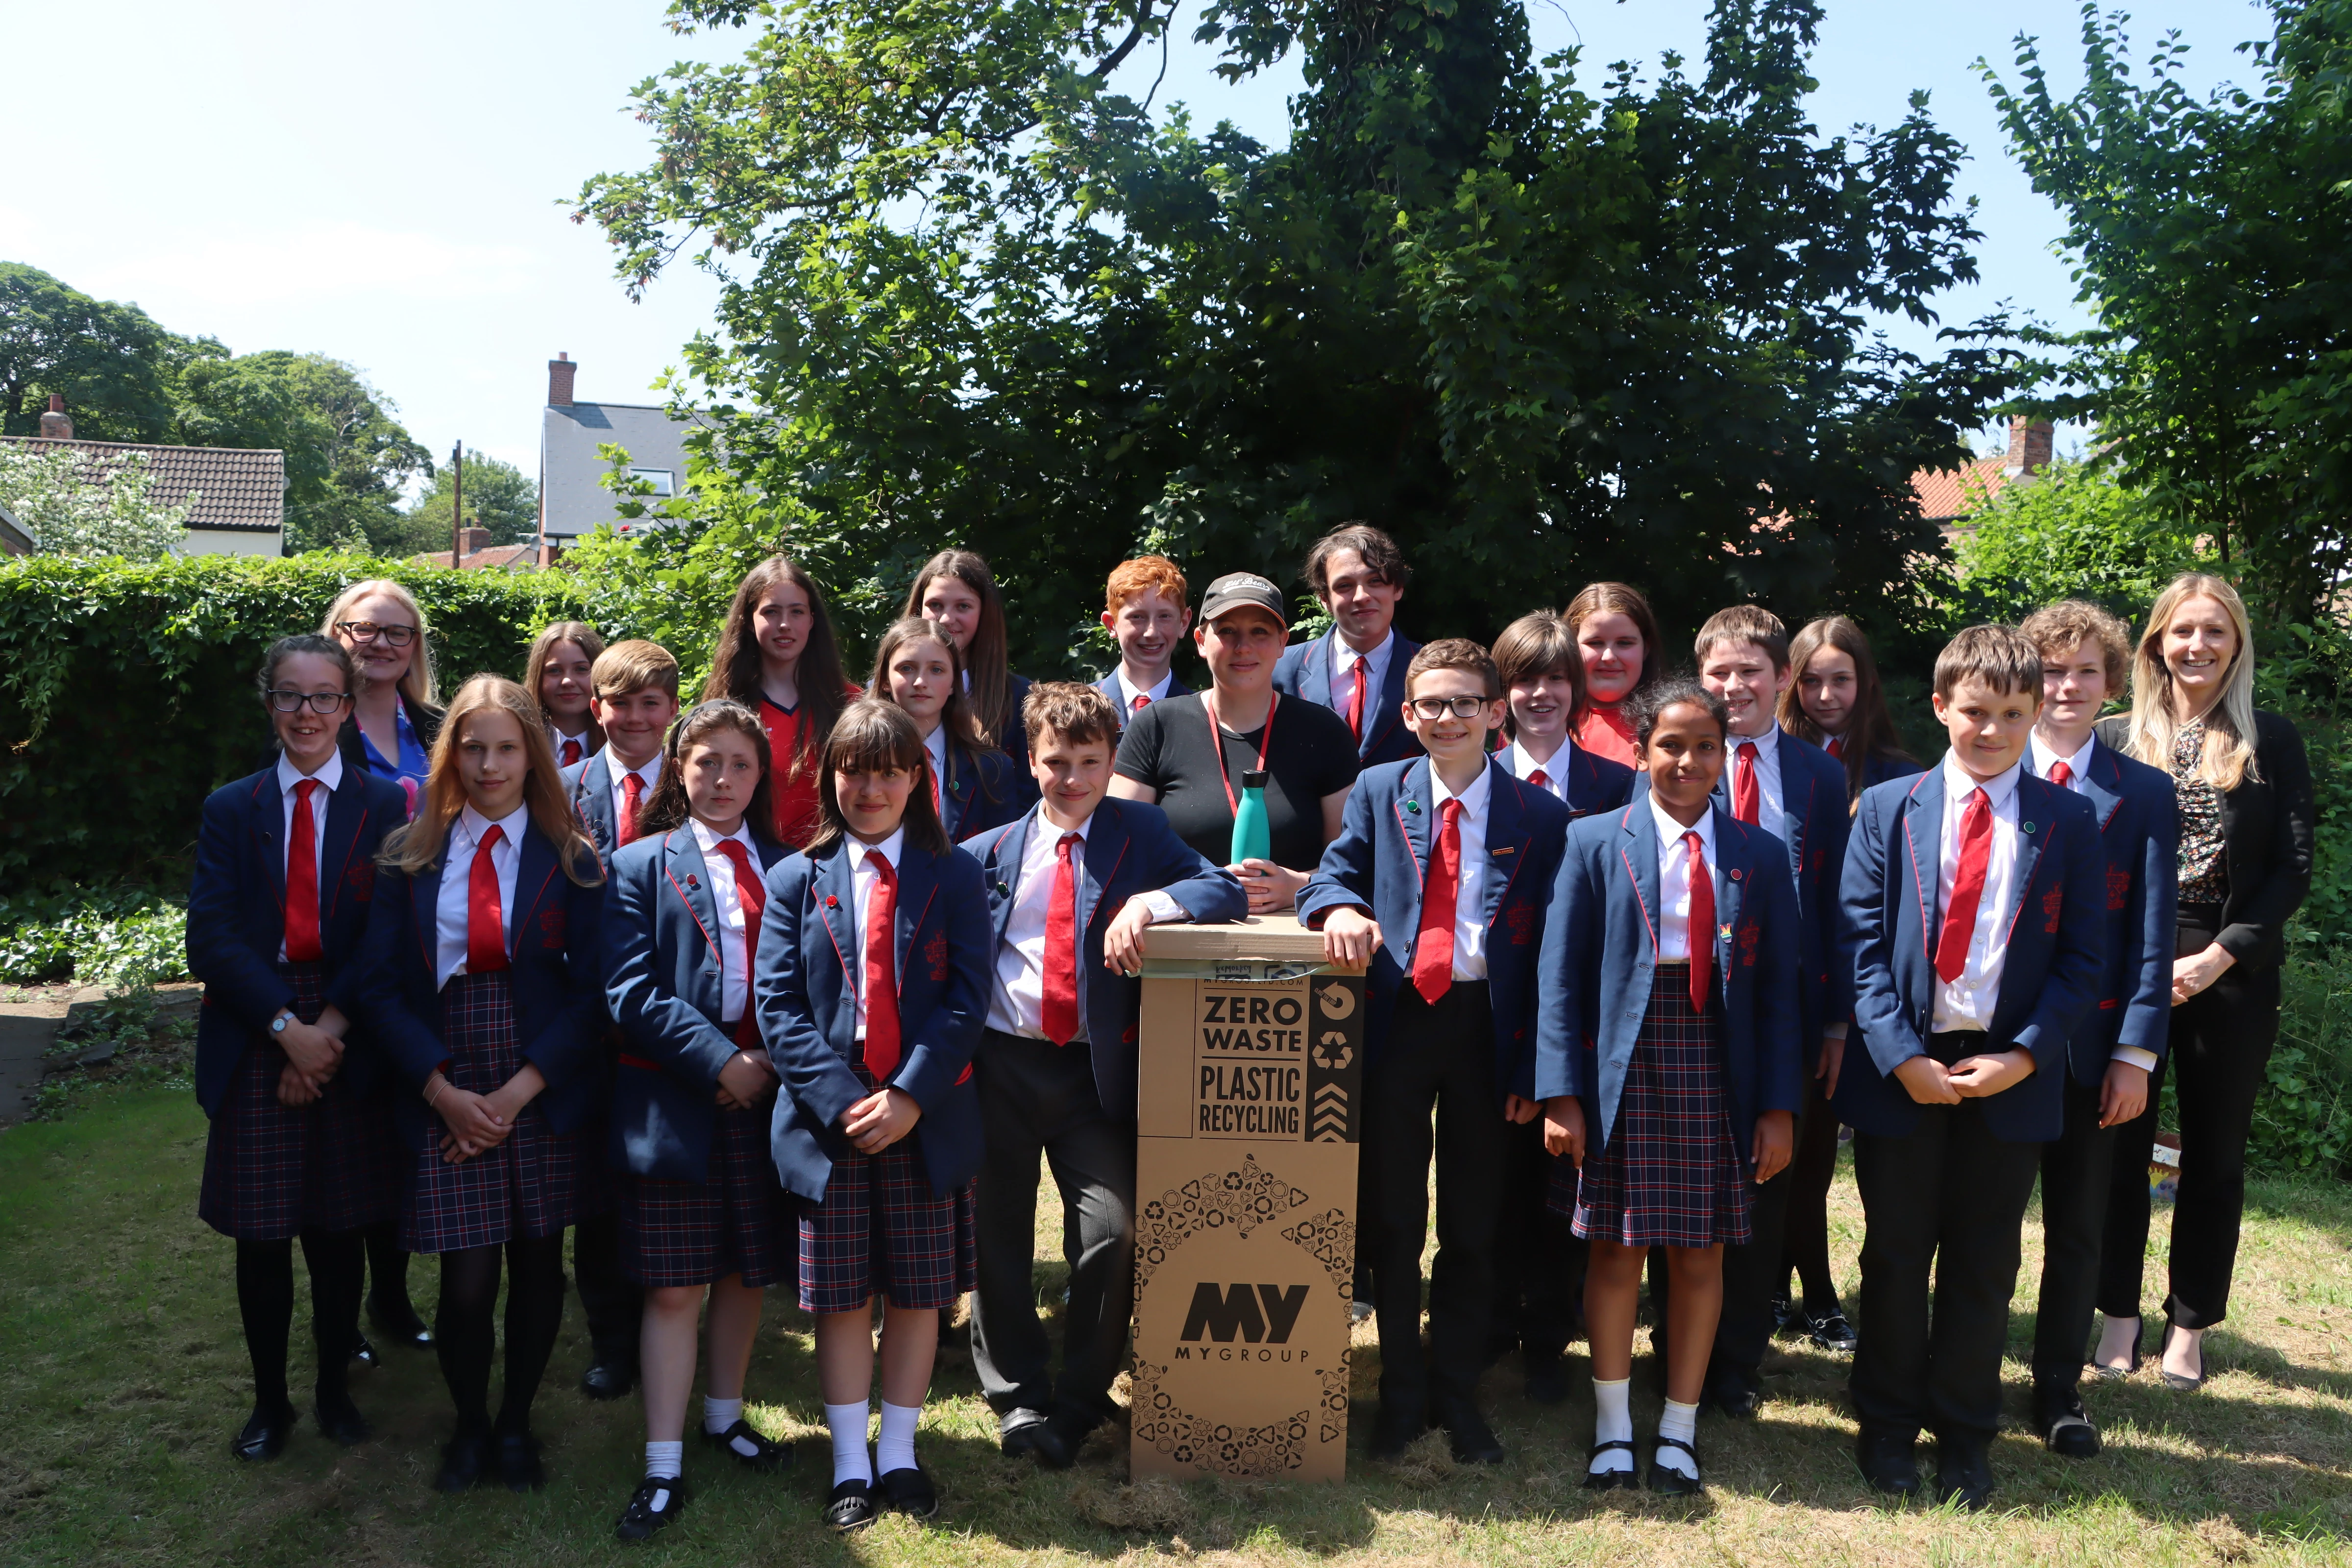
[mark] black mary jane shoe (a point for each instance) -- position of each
(767, 1455)
(1667, 1481)
(657, 1501)
(263, 1435)
(851, 1505)
(1626, 1479)
(339, 1420)
(911, 1491)
(1830, 1332)
(464, 1460)
(517, 1452)
(398, 1322)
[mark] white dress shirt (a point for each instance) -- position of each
(2044, 759)
(734, 967)
(1469, 889)
(457, 881)
(1554, 768)
(329, 778)
(863, 878)
(1128, 692)
(1343, 673)
(650, 773)
(1675, 881)
(935, 746)
(1017, 1004)
(1771, 815)
(556, 737)
(1968, 1002)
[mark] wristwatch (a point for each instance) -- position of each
(278, 1024)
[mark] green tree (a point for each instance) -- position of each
(1541, 328)
(2072, 531)
(499, 497)
(114, 365)
(2213, 238)
(46, 490)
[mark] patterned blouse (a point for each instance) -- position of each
(2204, 873)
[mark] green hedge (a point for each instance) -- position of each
(126, 691)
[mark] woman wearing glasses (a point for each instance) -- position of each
(396, 714)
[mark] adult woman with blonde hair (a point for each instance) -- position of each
(2244, 794)
(397, 713)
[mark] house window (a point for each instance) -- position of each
(662, 481)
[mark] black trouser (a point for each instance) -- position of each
(614, 1304)
(265, 1299)
(1037, 1098)
(2075, 1171)
(1539, 1269)
(1438, 1061)
(1805, 1234)
(1950, 1199)
(2220, 1049)
(1752, 1271)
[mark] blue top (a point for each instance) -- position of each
(414, 761)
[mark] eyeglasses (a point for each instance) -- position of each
(368, 631)
(319, 701)
(1439, 707)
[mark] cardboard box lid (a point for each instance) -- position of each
(1279, 938)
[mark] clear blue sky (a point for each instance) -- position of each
(384, 184)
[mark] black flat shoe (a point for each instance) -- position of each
(339, 1420)
(1888, 1462)
(1018, 1435)
(764, 1454)
(1734, 1397)
(518, 1463)
(851, 1505)
(263, 1435)
(465, 1460)
(399, 1324)
(364, 1353)
(1964, 1473)
(910, 1492)
(1626, 1479)
(1466, 1433)
(1832, 1333)
(606, 1380)
(1784, 1314)
(1395, 1429)
(658, 1500)
(1667, 1481)
(2067, 1429)
(2179, 1383)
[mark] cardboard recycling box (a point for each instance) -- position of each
(1252, 1070)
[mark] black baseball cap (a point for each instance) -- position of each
(1237, 590)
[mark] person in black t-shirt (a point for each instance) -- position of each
(1187, 754)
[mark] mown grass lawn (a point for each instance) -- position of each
(123, 1376)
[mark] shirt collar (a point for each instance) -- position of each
(1128, 692)
(1342, 655)
(709, 841)
(1049, 833)
(2044, 757)
(888, 848)
(330, 773)
(1766, 745)
(512, 826)
(1474, 799)
(1522, 764)
(1670, 831)
(650, 773)
(1958, 782)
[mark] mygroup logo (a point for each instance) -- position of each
(1251, 1314)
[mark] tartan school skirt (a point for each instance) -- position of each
(527, 1187)
(273, 1170)
(880, 1232)
(691, 1232)
(1670, 1173)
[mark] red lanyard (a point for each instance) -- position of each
(1217, 739)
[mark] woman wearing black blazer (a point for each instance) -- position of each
(2244, 793)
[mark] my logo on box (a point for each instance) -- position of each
(1222, 1312)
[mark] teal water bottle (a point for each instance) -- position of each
(1252, 840)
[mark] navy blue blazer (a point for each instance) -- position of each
(1305, 670)
(1379, 863)
(552, 953)
(1130, 849)
(982, 789)
(2139, 834)
(661, 965)
(1878, 768)
(1108, 687)
(588, 785)
(1594, 782)
(806, 986)
(2055, 961)
(237, 917)
(1601, 955)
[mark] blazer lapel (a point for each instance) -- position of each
(1506, 843)
(1412, 807)
(425, 908)
(2035, 822)
(689, 878)
(1922, 836)
(918, 882)
(836, 905)
(535, 876)
(269, 821)
(2104, 781)
(1315, 672)
(1106, 847)
(1391, 697)
(1638, 844)
(1009, 847)
(1733, 866)
(346, 814)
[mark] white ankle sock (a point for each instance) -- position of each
(665, 1461)
(1613, 1421)
(849, 1460)
(894, 1449)
(718, 1415)
(1679, 1421)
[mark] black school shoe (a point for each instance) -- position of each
(1888, 1462)
(2066, 1428)
(850, 1507)
(1964, 1471)
(398, 1322)
(658, 1500)
(609, 1378)
(1667, 1481)
(1395, 1429)
(464, 1460)
(766, 1456)
(1830, 1332)
(1626, 1479)
(911, 1491)
(517, 1453)
(1473, 1442)
(339, 1420)
(263, 1435)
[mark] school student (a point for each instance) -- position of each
(702, 1218)
(300, 1140)
(777, 655)
(2085, 655)
(871, 985)
(1145, 609)
(1438, 882)
(1796, 793)
(956, 590)
(1667, 1060)
(560, 672)
(1071, 885)
(974, 785)
(1357, 668)
(1617, 638)
(1967, 987)
(481, 987)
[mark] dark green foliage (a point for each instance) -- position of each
(2071, 532)
(499, 497)
(114, 365)
(2305, 1122)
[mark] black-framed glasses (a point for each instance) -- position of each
(320, 701)
(368, 631)
(1439, 707)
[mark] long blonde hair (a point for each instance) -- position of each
(2228, 758)
(417, 846)
(417, 684)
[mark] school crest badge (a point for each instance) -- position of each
(552, 925)
(935, 953)
(2052, 902)
(2118, 887)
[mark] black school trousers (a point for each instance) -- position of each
(2076, 1171)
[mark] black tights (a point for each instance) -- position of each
(464, 1337)
(265, 1299)
(388, 1262)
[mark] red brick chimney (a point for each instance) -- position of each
(55, 425)
(472, 542)
(560, 372)
(2029, 443)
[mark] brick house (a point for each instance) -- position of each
(235, 496)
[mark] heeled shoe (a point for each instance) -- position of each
(2180, 1382)
(2117, 1374)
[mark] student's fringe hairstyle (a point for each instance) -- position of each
(1453, 653)
(417, 846)
(667, 807)
(957, 715)
(266, 678)
(875, 736)
(1870, 728)
(1647, 706)
(1535, 645)
(736, 669)
(1621, 599)
(2228, 758)
(418, 684)
(1076, 712)
(1745, 623)
(633, 666)
(992, 685)
(1142, 574)
(1373, 547)
(591, 642)
(2001, 657)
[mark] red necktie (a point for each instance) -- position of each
(1356, 703)
(1836, 747)
(2061, 774)
(302, 881)
(882, 971)
(571, 751)
(486, 926)
(1968, 888)
(632, 794)
(1139, 704)
(1540, 779)
(1432, 945)
(1059, 1015)
(1702, 923)
(937, 809)
(1746, 803)
(752, 894)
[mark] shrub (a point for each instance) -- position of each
(2071, 531)
(108, 936)
(2303, 1122)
